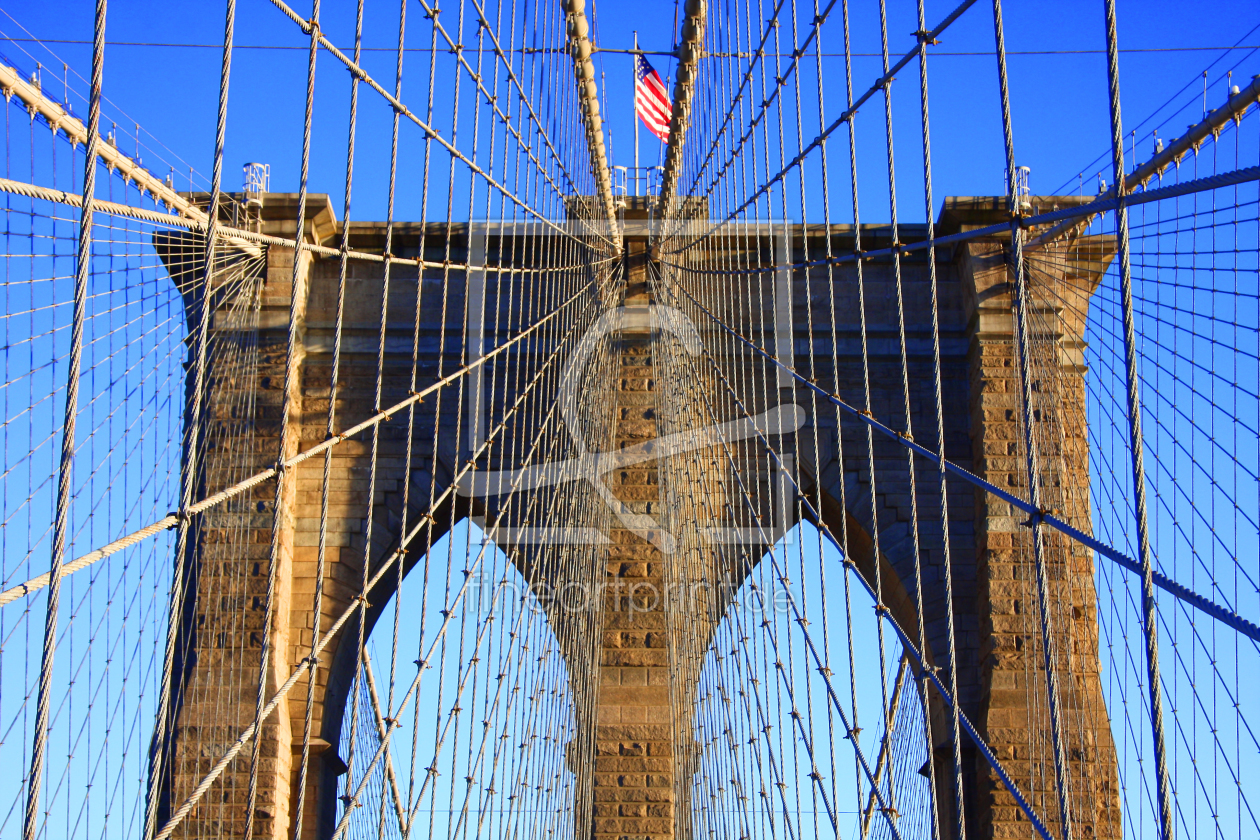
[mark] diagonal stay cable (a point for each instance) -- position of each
(384, 415)
(924, 668)
(236, 235)
(848, 114)
(781, 81)
(1222, 614)
(432, 14)
(356, 604)
(757, 56)
(430, 132)
(1207, 183)
(515, 80)
(381, 723)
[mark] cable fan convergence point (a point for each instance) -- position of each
(541, 506)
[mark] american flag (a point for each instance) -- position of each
(651, 102)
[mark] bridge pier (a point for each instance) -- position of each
(643, 754)
(637, 727)
(1014, 700)
(226, 565)
(1001, 673)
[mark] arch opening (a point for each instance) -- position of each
(795, 666)
(466, 679)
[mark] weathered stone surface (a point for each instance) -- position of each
(640, 772)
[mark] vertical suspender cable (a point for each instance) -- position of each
(334, 377)
(960, 824)
(1149, 627)
(61, 524)
(290, 371)
(1021, 303)
(192, 429)
(369, 521)
(881, 609)
(909, 430)
(689, 52)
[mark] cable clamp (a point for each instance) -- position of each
(925, 37)
(1037, 519)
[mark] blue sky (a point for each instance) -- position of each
(1059, 101)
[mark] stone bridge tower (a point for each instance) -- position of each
(636, 714)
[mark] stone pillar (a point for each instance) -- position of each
(642, 724)
(217, 656)
(1012, 715)
(634, 761)
(215, 673)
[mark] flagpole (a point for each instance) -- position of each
(635, 90)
